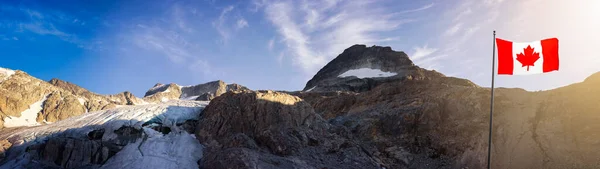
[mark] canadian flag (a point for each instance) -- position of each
(528, 57)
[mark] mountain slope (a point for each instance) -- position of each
(31, 101)
(445, 119)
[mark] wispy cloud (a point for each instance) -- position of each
(219, 24)
(422, 52)
(316, 31)
(242, 23)
(270, 44)
(171, 36)
(46, 23)
(227, 25)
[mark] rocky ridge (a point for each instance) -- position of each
(200, 92)
(31, 101)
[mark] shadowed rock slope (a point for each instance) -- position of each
(443, 121)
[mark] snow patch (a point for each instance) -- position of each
(311, 89)
(7, 73)
(367, 73)
(190, 98)
(142, 102)
(164, 99)
(81, 101)
(166, 90)
(28, 117)
(156, 87)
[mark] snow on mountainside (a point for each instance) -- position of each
(5, 73)
(367, 73)
(28, 117)
(176, 149)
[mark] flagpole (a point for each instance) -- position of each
(491, 103)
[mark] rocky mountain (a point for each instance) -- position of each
(200, 92)
(31, 101)
(370, 107)
(361, 68)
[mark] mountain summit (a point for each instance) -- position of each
(361, 68)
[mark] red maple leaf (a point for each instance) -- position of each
(528, 57)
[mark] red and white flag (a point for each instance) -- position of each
(527, 58)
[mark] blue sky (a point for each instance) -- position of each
(114, 46)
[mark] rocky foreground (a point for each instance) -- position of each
(371, 107)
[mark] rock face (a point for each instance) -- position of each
(163, 93)
(4, 146)
(268, 129)
(201, 92)
(251, 113)
(360, 68)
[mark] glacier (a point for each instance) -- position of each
(175, 149)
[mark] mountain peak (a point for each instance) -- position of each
(360, 68)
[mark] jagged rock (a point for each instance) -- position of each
(216, 88)
(93, 101)
(200, 92)
(4, 146)
(20, 91)
(268, 129)
(360, 57)
(252, 113)
(58, 107)
(162, 93)
(205, 97)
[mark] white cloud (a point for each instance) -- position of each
(170, 43)
(219, 24)
(171, 37)
(270, 44)
(242, 23)
(314, 32)
(451, 31)
(226, 26)
(422, 52)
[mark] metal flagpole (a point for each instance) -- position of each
(492, 103)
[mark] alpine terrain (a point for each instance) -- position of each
(369, 108)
